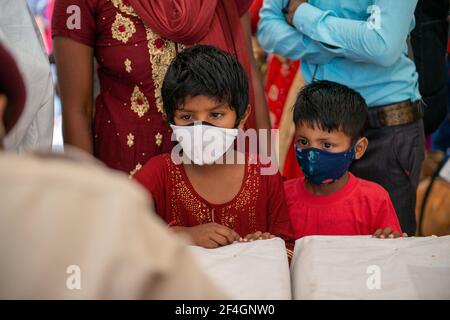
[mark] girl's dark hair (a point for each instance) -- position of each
(208, 71)
(331, 106)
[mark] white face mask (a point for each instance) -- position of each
(202, 143)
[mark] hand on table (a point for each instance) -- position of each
(258, 235)
(388, 233)
(211, 235)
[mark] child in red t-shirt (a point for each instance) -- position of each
(329, 134)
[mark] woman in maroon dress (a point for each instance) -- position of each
(134, 42)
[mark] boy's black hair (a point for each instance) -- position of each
(331, 106)
(208, 71)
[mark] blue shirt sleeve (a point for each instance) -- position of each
(380, 40)
(275, 35)
(38, 7)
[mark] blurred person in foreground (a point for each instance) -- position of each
(71, 229)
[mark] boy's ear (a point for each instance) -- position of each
(361, 147)
(245, 117)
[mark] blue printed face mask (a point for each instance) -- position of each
(322, 167)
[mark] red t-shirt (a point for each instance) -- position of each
(259, 205)
(360, 208)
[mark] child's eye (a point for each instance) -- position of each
(186, 117)
(216, 115)
(302, 142)
(327, 145)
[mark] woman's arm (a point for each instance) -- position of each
(261, 109)
(74, 63)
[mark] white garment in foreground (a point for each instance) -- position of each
(72, 229)
(20, 35)
(255, 270)
(325, 267)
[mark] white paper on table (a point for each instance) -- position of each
(256, 270)
(329, 267)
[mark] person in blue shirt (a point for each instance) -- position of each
(361, 44)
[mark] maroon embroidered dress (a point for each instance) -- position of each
(260, 204)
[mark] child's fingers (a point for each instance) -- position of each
(236, 235)
(258, 235)
(377, 233)
(209, 244)
(255, 236)
(229, 234)
(265, 236)
(395, 234)
(386, 232)
(219, 239)
(404, 234)
(243, 239)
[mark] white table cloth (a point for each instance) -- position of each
(254, 270)
(361, 267)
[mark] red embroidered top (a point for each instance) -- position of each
(132, 61)
(259, 206)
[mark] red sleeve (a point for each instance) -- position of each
(152, 177)
(386, 216)
(254, 14)
(75, 19)
(279, 221)
(243, 6)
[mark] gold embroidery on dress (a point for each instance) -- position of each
(127, 64)
(135, 170)
(139, 102)
(123, 28)
(254, 184)
(158, 139)
(182, 197)
(245, 202)
(162, 52)
(124, 8)
(130, 140)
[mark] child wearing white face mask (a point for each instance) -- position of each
(195, 190)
